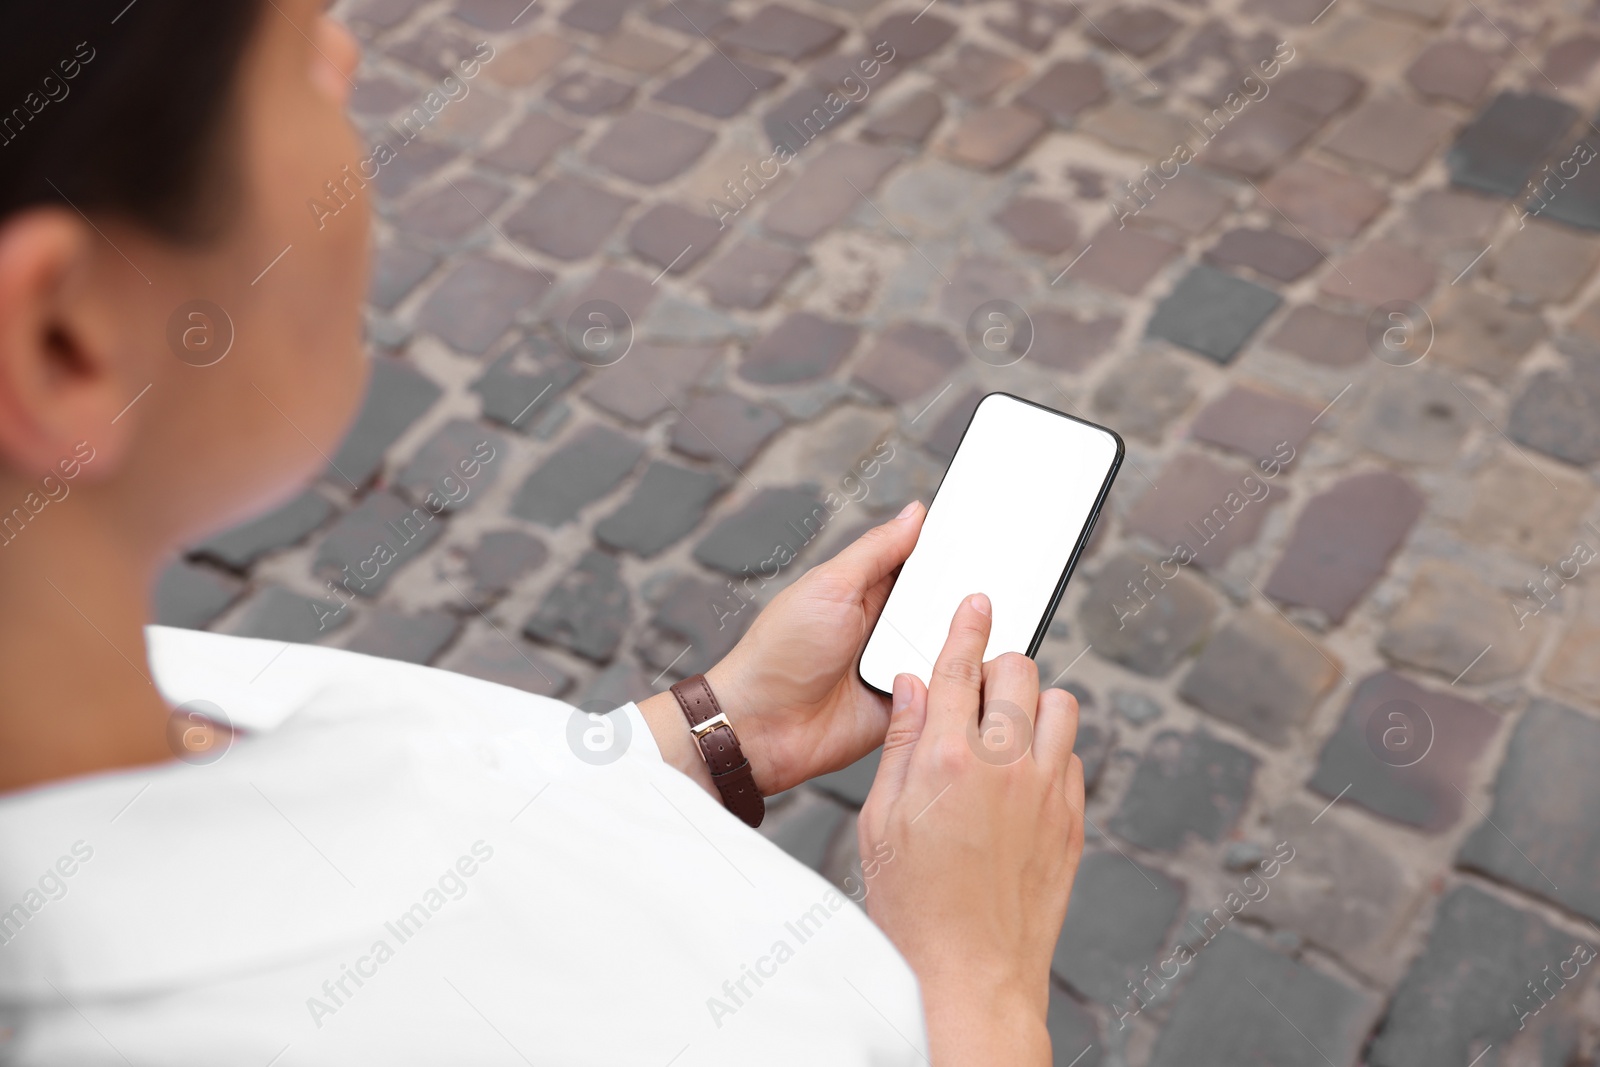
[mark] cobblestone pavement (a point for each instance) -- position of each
(1328, 269)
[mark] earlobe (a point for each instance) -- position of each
(58, 380)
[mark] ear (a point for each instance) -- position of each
(62, 382)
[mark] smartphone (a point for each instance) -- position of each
(1009, 519)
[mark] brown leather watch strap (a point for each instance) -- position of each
(730, 771)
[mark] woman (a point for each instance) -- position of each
(394, 864)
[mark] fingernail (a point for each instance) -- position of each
(908, 511)
(902, 693)
(980, 604)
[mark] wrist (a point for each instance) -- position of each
(971, 1022)
(743, 707)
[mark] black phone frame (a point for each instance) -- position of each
(1077, 549)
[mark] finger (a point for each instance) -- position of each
(875, 555)
(1055, 731)
(908, 712)
(958, 673)
(1072, 789)
(1011, 686)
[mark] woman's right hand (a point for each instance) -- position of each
(985, 843)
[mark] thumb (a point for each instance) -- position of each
(908, 713)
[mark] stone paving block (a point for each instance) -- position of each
(586, 611)
(725, 426)
(806, 831)
(1574, 668)
(801, 348)
(410, 638)
(642, 53)
(1380, 272)
(850, 785)
(1248, 1004)
(1276, 255)
(668, 502)
(1451, 221)
(1337, 889)
(1209, 510)
(501, 558)
(1323, 91)
(908, 361)
(454, 465)
(1212, 313)
(1074, 1035)
(1117, 924)
(699, 622)
(1342, 542)
(974, 72)
(452, 212)
(1214, 60)
(718, 87)
(1064, 90)
(397, 395)
(650, 149)
(1455, 625)
(1322, 336)
(1391, 133)
(368, 545)
(1030, 24)
(1499, 150)
(588, 93)
(1481, 334)
(515, 398)
(1254, 422)
(566, 217)
(1462, 995)
(1124, 259)
(1322, 200)
(631, 293)
(993, 137)
(410, 167)
(591, 464)
(674, 238)
(506, 660)
(1260, 138)
(1185, 785)
(1453, 71)
(530, 144)
(977, 280)
(435, 48)
(1064, 341)
(1544, 262)
(1038, 223)
(650, 380)
(477, 301)
(191, 596)
(1261, 674)
(784, 32)
(281, 527)
(773, 525)
(1400, 750)
(913, 37)
(1144, 394)
(525, 61)
(1575, 202)
(1570, 61)
(1190, 206)
(1135, 31)
(1533, 512)
(830, 187)
(1539, 835)
(596, 16)
(1421, 418)
(700, 19)
(1134, 616)
(907, 122)
(1144, 129)
(808, 113)
(273, 613)
(946, 433)
(396, 270)
(1558, 412)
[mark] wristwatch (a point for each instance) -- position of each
(730, 771)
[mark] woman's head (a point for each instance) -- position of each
(156, 163)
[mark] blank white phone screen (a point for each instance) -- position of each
(1006, 520)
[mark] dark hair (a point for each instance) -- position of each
(121, 108)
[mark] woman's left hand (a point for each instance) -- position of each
(790, 686)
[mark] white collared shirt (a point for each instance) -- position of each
(399, 865)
